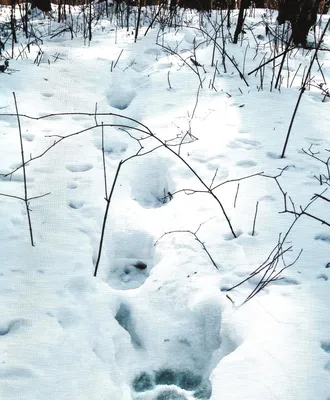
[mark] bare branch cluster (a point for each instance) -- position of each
(196, 237)
(139, 133)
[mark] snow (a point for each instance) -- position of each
(158, 321)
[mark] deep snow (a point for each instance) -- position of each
(157, 322)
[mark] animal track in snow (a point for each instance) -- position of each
(8, 227)
(153, 51)
(267, 198)
(246, 144)
(72, 185)
(325, 345)
(143, 382)
(15, 373)
(246, 163)
(129, 265)
(114, 145)
(17, 271)
(323, 277)
(83, 167)
(273, 156)
(323, 238)
(29, 137)
(171, 395)
(47, 94)
(150, 181)
(65, 317)
(121, 100)
(185, 356)
(312, 139)
(229, 236)
(286, 281)
(125, 320)
(163, 65)
(125, 275)
(168, 381)
(12, 326)
(121, 92)
(76, 204)
(16, 177)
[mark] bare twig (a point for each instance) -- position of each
(194, 233)
(303, 88)
(104, 165)
(108, 201)
(255, 218)
(235, 200)
(26, 199)
(141, 129)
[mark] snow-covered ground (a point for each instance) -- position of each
(158, 321)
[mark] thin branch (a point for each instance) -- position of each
(194, 234)
(104, 165)
(12, 196)
(108, 200)
(235, 200)
(26, 199)
(147, 131)
(255, 218)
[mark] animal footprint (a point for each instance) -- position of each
(13, 326)
(124, 318)
(29, 137)
(72, 185)
(121, 100)
(246, 163)
(171, 395)
(326, 346)
(185, 381)
(47, 94)
(323, 238)
(322, 277)
(189, 380)
(273, 156)
(143, 382)
(246, 144)
(166, 377)
(121, 92)
(79, 167)
(76, 204)
(151, 182)
(15, 373)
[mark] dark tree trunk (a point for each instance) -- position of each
(43, 5)
(138, 21)
(302, 15)
(13, 24)
(259, 3)
(199, 5)
(223, 4)
(172, 5)
(244, 5)
(231, 6)
(325, 6)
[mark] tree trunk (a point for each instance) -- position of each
(302, 15)
(259, 3)
(43, 5)
(199, 5)
(325, 6)
(244, 5)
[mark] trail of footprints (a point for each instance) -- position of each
(150, 184)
